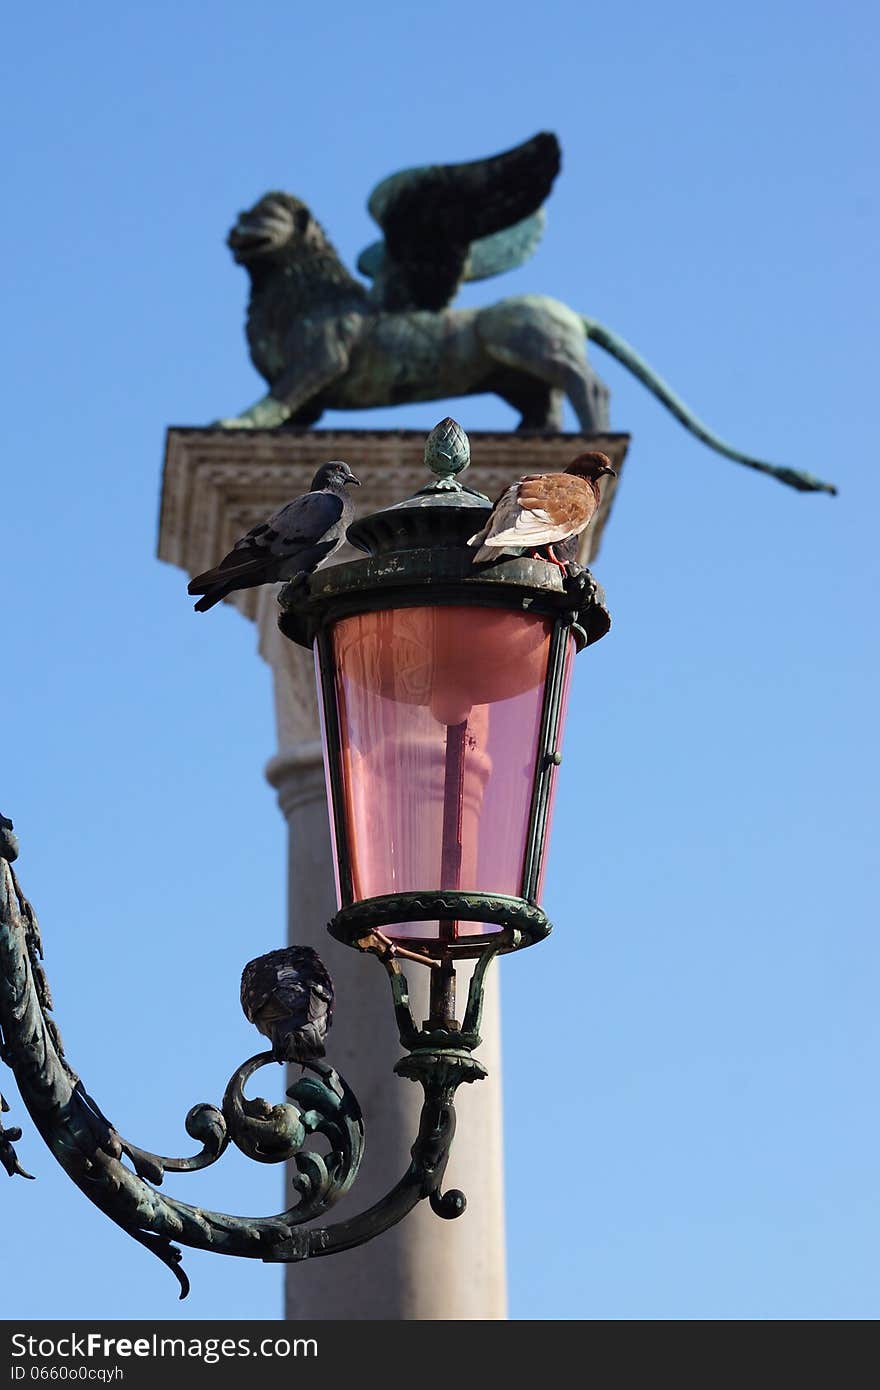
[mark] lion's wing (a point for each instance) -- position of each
(432, 215)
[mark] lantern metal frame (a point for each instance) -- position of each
(417, 557)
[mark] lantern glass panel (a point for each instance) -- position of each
(439, 717)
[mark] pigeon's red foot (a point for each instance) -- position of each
(555, 561)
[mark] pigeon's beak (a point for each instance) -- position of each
(352, 479)
(609, 471)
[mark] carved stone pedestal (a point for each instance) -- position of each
(217, 484)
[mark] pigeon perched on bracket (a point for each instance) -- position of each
(544, 510)
(288, 996)
(294, 540)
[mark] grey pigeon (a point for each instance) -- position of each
(293, 541)
(288, 995)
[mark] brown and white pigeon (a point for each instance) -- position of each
(294, 540)
(288, 996)
(543, 511)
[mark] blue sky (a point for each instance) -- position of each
(690, 1061)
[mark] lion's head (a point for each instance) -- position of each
(273, 228)
(295, 276)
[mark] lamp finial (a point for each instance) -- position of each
(447, 452)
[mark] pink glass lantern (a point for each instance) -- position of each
(439, 712)
(443, 686)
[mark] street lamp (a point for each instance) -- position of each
(442, 688)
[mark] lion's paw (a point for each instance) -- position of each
(233, 422)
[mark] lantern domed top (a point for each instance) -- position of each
(416, 552)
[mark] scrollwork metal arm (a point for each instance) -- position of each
(94, 1154)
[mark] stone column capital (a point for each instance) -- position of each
(297, 774)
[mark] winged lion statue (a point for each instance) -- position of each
(324, 340)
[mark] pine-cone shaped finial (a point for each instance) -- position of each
(447, 451)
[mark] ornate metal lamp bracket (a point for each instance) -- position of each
(416, 552)
(123, 1179)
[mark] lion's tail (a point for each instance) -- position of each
(617, 347)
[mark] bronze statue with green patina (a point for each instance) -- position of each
(324, 341)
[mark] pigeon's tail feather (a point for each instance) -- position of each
(292, 1042)
(491, 552)
(203, 582)
(215, 584)
(213, 596)
(479, 539)
(222, 574)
